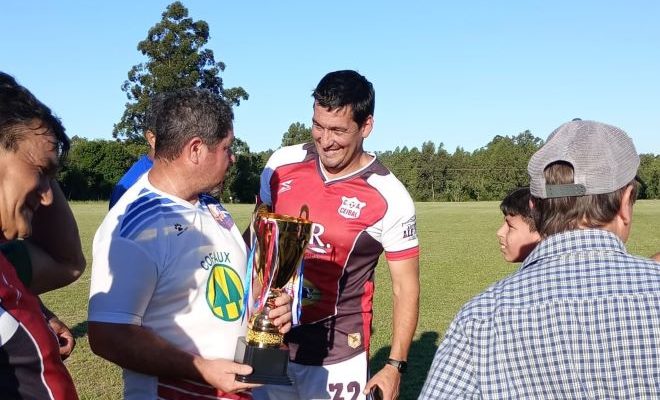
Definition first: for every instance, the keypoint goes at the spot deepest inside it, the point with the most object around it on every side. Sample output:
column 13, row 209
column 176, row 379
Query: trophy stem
column 261, row 330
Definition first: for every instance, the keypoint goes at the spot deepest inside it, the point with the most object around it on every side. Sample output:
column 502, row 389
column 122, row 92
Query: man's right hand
column 221, row 374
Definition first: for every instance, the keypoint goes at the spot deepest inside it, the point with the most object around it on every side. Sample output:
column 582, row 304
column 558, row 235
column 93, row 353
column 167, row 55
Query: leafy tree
column 242, row 181
column 93, row 167
column 431, row 170
column 649, row 171
column 297, row 133
column 176, row 58
column 458, row 176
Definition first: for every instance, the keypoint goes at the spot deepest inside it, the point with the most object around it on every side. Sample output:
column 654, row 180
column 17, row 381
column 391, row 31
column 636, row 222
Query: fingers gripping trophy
column 278, row 245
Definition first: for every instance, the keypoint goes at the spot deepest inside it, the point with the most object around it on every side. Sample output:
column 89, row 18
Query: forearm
column 405, row 312
column 48, row 274
column 405, row 306
column 139, row 349
column 55, row 233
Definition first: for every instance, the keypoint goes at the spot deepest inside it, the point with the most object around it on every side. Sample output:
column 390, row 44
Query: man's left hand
column 387, row 379
column 281, row 313
column 64, row 336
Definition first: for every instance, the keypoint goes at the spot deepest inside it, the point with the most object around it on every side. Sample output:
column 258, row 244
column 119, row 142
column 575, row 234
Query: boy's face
column 516, row 239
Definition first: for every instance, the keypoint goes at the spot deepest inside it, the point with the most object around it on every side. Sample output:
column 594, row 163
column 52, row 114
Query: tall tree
column 176, row 58
column 242, row 180
column 297, row 133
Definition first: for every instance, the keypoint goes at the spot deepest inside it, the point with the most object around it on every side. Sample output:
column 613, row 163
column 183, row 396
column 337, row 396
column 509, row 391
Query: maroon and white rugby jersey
column 30, row 363
column 355, row 218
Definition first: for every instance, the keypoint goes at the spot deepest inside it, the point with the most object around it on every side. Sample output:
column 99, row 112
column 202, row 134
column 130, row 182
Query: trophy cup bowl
column 280, row 244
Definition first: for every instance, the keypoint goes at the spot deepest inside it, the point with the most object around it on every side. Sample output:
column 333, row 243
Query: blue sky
column 456, row 73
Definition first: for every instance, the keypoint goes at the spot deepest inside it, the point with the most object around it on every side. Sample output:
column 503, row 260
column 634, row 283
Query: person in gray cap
column 581, row 318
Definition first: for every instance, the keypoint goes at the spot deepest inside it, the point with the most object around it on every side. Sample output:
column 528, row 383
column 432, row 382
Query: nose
column 501, row 231
column 326, row 137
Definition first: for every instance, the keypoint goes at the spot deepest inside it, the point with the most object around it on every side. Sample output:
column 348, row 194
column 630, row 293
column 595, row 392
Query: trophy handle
column 304, row 209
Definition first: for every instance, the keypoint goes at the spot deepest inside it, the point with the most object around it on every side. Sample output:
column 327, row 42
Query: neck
column 359, row 162
column 167, row 177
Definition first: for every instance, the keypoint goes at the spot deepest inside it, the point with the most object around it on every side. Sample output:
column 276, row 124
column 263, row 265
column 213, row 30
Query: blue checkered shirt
column 579, row 320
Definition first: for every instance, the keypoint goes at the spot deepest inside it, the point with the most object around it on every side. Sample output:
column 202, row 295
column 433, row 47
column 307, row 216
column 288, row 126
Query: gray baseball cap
column 603, row 157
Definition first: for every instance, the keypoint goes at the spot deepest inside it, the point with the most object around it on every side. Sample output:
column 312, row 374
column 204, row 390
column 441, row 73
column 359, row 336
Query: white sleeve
column 283, row 156
column 398, row 228
column 123, row 281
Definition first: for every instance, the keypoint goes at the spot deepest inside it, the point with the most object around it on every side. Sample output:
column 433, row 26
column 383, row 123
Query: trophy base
column 269, row 365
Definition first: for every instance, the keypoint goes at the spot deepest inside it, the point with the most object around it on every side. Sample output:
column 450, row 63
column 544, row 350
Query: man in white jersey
column 359, row 209
column 166, row 296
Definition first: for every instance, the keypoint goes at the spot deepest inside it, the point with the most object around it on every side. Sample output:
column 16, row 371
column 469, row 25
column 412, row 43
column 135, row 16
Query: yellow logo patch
column 224, row 293
column 354, row 340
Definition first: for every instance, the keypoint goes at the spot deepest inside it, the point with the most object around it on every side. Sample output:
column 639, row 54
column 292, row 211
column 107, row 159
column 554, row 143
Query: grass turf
column 459, row 258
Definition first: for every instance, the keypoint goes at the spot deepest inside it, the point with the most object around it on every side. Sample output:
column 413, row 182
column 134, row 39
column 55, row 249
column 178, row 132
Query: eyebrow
column 332, row 128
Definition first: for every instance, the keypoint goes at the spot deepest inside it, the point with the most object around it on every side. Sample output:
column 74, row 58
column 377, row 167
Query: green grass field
column 459, row 258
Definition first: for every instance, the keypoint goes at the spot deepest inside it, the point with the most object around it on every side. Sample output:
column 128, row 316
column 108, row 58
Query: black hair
column 517, row 203
column 347, row 88
column 19, row 107
column 187, row 113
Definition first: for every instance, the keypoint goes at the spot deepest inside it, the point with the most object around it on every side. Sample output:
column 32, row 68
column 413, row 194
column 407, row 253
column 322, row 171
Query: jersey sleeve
column 399, row 225
column 123, row 281
column 283, row 156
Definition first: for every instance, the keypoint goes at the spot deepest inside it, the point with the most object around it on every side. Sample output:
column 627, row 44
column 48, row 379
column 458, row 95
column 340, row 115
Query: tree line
column 430, row 173
column 176, row 57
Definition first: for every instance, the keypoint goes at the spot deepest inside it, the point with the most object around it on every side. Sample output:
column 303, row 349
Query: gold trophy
column 278, row 247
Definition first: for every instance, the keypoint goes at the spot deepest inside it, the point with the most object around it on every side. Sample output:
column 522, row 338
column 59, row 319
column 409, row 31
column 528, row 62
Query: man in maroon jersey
column 33, row 208
column 359, row 209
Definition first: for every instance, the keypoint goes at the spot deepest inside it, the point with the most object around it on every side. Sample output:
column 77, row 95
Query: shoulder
column 482, row 308
column 290, row 155
column 149, row 209
column 479, row 308
column 383, row 180
column 137, row 210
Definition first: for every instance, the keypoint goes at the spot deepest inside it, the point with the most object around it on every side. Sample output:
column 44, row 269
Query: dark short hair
column 188, row 113
column 347, row 88
column 19, row 107
column 155, row 105
column 516, row 203
column 561, row 214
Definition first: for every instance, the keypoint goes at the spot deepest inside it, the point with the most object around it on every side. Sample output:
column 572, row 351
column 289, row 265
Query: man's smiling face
column 25, row 176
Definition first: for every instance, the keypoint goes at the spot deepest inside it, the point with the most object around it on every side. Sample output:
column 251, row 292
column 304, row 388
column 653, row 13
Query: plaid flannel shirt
column 579, row 320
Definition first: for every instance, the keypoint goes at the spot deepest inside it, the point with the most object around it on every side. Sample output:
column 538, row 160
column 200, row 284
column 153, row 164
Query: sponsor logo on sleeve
column 410, row 228
column 350, row 207
column 285, row 186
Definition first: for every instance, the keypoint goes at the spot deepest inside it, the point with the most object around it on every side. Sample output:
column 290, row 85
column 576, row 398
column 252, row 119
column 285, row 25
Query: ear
column 151, row 138
column 194, row 150
column 625, row 211
column 367, row 127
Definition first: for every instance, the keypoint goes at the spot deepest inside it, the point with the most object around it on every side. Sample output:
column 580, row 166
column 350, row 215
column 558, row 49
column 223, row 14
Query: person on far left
column 40, row 248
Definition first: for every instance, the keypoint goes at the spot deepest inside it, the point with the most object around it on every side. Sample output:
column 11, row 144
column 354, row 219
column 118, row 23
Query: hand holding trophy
column 279, row 242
